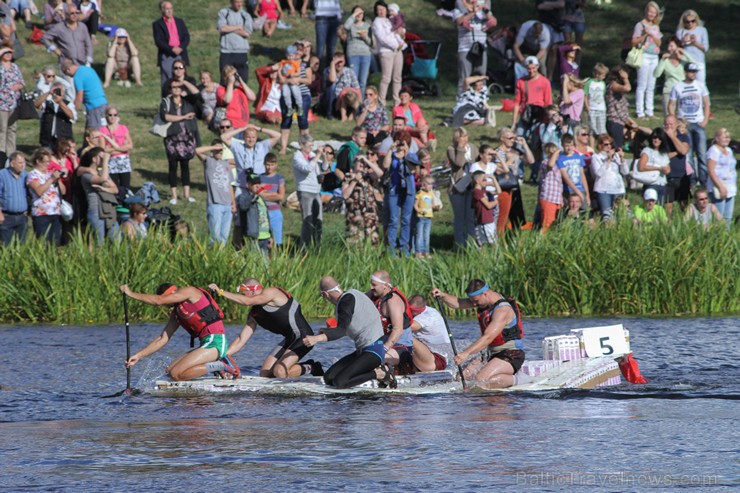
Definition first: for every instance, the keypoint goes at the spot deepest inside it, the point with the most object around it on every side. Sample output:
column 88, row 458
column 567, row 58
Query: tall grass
column 623, row 270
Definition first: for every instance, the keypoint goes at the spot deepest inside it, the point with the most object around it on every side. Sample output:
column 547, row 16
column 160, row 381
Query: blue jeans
column 698, row 154
column 219, row 222
column 606, row 204
column 15, row 226
column 725, row 207
column 361, row 65
column 326, row 38
column 48, row 227
column 400, row 207
column 96, row 225
column 276, row 225
column 423, row 232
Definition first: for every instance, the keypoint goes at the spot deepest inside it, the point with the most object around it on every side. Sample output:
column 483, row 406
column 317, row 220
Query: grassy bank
column 575, row 271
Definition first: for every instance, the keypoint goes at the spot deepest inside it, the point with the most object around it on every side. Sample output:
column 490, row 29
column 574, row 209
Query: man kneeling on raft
column 277, row 311
column 358, row 319
column 198, row 313
column 501, row 334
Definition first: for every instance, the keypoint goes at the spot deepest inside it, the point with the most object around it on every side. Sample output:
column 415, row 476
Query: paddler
column 198, row 313
column 397, row 318
column 501, row 335
column 275, row 310
column 358, row 319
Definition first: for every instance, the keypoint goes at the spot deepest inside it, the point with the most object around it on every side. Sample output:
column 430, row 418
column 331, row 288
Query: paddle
column 128, row 390
column 452, row 339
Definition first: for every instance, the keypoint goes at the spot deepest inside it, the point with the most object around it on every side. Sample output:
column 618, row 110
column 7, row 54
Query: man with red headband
column 276, row 310
column 198, row 313
column 501, row 334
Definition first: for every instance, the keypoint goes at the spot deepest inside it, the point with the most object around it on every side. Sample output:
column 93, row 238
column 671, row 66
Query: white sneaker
column 191, row 199
column 173, row 201
column 126, row 83
column 119, row 83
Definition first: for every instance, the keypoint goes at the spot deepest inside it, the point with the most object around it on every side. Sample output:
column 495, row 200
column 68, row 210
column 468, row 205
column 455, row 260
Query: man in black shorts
column 277, row 311
column 678, row 186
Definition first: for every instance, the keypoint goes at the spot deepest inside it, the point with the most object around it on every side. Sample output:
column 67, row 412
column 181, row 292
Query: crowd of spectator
column 574, row 133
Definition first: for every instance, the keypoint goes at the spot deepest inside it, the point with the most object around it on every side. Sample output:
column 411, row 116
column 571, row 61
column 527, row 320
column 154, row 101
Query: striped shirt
column 13, row 191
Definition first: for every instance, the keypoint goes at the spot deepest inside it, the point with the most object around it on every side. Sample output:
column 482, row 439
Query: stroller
column 501, row 61
column 420, row 66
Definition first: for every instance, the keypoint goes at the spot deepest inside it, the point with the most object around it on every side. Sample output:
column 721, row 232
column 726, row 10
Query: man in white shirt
column 429, row 328
column 690, row 100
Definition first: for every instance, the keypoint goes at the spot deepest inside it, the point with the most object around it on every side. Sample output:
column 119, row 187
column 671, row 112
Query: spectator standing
column 473, row 22
column 486, row 211
column 617, row 106
column 572, row 168
column 48, row 77
column 389, row 50
column 362, row 196
column 608, row 166
column 348, row 150
column 574, row 20
column 89, row 92
column 535, row 91
column 234, row 26
column 249, row 155
column 647, row 35
column 69, row 40
column 117, row 142
column 533, row 39
column 14, row 200
column 678, row 181
column 100, row 218
column 722, row 168
column 171, row 36
column 671, row 65
column 550, row 195
column 424, row 207
column 373, row 117
column 11, row 85
column 595, row 101
column 328, row 18
column 220, row 204
column 695, row 40
column 399, row 195
column 208, row 88
column 460, row 155
column 690, row 101
column 46, row 190
column 359, row 44
column 306, row 171
column 274, row 193
column 123, row 57
column 182, row 138
column 235, row 95
column 654, row 157
column 303, row 80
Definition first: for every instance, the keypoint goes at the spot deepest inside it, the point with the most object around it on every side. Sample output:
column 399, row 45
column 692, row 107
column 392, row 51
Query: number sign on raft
column 605, row 341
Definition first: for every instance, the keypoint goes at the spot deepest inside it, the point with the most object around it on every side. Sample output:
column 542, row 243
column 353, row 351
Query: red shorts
column 440, row 362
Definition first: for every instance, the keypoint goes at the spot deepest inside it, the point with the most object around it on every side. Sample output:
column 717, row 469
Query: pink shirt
column 575, row 108
column 119, row 136
column 172, row 30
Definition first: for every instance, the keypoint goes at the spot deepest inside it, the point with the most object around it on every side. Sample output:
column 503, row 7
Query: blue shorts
column 375, row 348
column 574, row 27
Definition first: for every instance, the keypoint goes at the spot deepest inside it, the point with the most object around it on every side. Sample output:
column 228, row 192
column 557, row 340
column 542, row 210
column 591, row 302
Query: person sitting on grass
column 195, row 310
column 650, row 212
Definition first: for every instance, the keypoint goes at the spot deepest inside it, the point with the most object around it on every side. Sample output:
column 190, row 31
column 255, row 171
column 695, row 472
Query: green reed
column 622, row 270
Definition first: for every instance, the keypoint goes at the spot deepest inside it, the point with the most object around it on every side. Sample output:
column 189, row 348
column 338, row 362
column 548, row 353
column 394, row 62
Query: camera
column 57, row 92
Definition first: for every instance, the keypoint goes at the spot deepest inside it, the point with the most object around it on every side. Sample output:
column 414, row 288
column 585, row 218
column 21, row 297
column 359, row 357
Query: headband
column 377, row 279
column 416, row 310
column 479, row 291
column 250, row 287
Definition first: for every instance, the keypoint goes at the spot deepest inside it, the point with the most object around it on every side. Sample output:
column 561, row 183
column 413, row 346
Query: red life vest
column 202, row 318
column 408, row 316
column 511, row 333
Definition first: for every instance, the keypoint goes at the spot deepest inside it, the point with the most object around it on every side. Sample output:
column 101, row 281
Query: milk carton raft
column 584, row 358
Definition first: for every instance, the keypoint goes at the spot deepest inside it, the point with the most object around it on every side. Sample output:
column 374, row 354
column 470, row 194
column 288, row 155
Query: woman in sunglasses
column 116, row 140
column 695, row 39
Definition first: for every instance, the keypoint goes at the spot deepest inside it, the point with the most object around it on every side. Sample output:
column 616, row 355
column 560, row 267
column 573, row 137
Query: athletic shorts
column 440, row 362
column 377, row 348
column 216, row 341
column 678, row 189
column 295, row 345
column 515, row 357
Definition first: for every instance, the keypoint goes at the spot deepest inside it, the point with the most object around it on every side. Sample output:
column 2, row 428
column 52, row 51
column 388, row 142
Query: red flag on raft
column 630, row 369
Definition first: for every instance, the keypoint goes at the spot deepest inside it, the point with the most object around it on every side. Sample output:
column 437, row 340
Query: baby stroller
column 420, row 66
column 501, row 61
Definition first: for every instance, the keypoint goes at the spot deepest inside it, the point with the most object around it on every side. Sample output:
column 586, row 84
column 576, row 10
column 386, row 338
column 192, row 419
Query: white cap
column 650, row 194
column 394, row 8
column 531, row 60
column 121, row 33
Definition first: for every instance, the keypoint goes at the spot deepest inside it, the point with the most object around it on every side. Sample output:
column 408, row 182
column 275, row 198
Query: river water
column 60, row 433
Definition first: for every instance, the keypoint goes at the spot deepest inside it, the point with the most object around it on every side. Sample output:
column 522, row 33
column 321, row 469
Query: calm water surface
column 59, row 433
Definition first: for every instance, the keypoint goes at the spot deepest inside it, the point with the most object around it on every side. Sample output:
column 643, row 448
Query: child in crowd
column 595, row 101
column 486, row 211
column 568, row 55
column 573, row 98
column 398, row 23
column 253, row 214
column 291, row 67
column 273, row 184
column 221, row 204
column 571, row 166
column 424, row 207
column 551, row 186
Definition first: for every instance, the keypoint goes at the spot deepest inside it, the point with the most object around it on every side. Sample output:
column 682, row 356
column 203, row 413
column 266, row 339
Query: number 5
column 610, row 349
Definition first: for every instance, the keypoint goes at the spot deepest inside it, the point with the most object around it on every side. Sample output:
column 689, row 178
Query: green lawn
column 606, row 26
